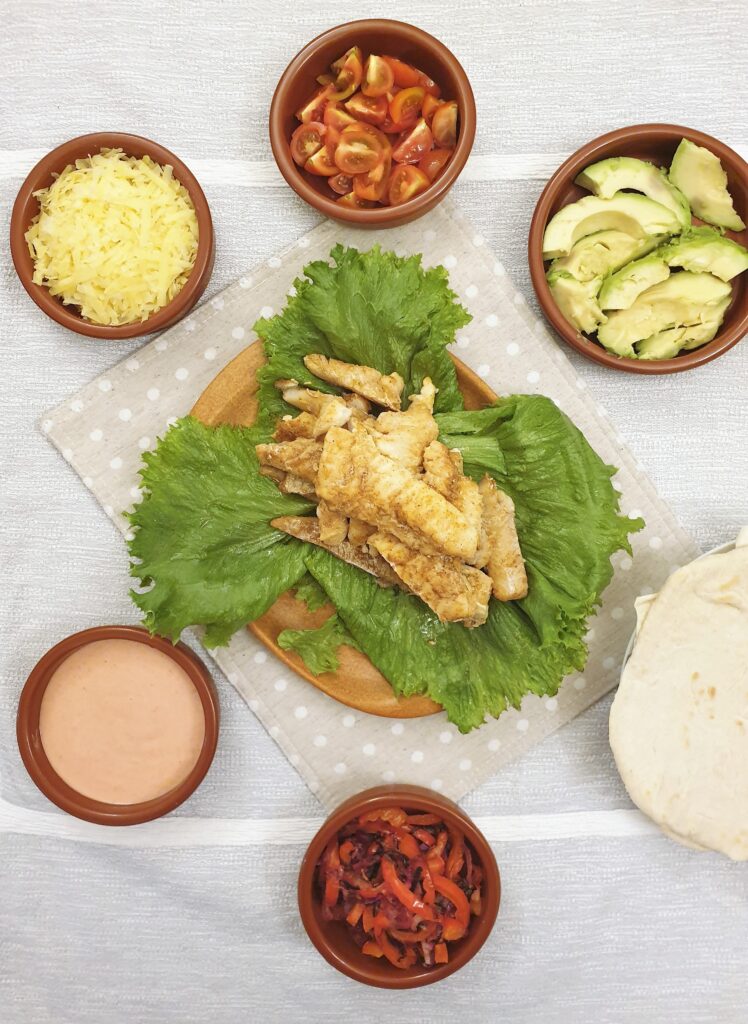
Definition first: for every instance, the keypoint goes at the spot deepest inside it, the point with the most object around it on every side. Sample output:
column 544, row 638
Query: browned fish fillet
column 272, row 474
column 307, row 528
column 383, row 389
column 359, row 532
column 334, row 413
column 292, row 484
column 357, row 480
column 291, row 427
column 505, row 564
column 443, row 472
column 403, row 436
column 454, row 591
column 300, row 457
column 333, row 527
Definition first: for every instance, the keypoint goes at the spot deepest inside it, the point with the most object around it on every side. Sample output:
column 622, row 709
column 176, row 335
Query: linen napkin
column 103, row 430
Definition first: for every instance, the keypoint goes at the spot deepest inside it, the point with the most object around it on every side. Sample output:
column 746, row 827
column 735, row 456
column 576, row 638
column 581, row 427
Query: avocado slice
column 704, row 249
column 607, row 177
column 622, row 289
column 700, row 176
column 667, row 344
column 635, row 215
column 685, row 299
column 577, row 300
column 603, row 252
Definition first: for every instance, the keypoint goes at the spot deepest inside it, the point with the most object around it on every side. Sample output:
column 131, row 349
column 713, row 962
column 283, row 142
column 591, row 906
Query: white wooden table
column 602, row 919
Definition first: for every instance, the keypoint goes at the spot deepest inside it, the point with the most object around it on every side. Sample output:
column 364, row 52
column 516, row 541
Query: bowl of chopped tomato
column 398, row 889
column 372, row 122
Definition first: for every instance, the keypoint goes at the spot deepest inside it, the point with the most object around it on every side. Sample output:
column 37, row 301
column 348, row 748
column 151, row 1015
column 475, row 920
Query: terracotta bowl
column 26, row 208
column 332, row 938
column 656, row 143
column 375, row 35
column 55, row 788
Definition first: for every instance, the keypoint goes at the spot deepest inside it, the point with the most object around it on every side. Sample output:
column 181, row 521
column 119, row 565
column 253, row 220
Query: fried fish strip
column 359, row 532
column 357, row 480
column 333, row 527
column 443, row 472
column 505, row 565
column 300, row 457
column 383, row 389
column 291, row 427
column 307, row 528
column 404, row 436
column 454, row 591
column 292, row 484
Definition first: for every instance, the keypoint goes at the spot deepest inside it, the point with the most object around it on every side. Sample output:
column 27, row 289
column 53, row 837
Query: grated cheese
column 116, row 236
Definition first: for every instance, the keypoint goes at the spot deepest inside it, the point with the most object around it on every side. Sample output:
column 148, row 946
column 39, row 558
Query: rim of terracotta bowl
column 56, row 789
column 737, row 171
column 331, row 938
column 26, row 207
column 303, row 64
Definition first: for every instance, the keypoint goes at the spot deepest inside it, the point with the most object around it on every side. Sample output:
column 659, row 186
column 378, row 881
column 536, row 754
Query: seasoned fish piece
column 505, row 565
column 357, row 480
column 359, row 531
column 291, row 427
column 332, row 526
column 360, row 407
column 364, row 380
column 404, row 436
column 302, row 398
column 300, row 457
column 443, row 472
column 334, row 413
column 292, row 484
column 454, row 591
column 307, row 528
column 273, row 474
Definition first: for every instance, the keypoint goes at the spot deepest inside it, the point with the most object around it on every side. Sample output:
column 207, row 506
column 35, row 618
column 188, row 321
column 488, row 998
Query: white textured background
column 194, row 919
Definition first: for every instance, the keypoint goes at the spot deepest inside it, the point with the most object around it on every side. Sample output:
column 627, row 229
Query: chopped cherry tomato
column 404, row 74
column 434, row 162
column 372, row 187
column 360, row 149
column 406, row 105
column 349, row 74
column 336, row 116
column 391, row 128
column 406, row 182
column 444, row 125
column 341, row 183
column 326, row 78
column 314, row 107
column 429, row 85
column 367, row 108
column 413, row 144
column 307, row 140
column 378, row 77
column 322, row 162
column 352, row 200
column 430, row 104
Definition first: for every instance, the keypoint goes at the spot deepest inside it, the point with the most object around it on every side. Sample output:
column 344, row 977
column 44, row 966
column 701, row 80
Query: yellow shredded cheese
column 115, row 236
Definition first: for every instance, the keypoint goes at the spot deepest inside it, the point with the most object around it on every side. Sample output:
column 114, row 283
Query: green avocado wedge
column 607, row 177
column 602, row 253
column 698, row 173
column 635, row 215
column 577, row 300
column 622, row 289
column 704, row 249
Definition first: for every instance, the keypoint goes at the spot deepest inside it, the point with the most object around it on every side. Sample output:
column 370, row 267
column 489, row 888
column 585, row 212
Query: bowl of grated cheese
column 111, row 236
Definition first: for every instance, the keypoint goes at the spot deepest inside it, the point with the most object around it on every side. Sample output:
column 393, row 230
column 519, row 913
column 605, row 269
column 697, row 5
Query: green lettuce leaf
column 310, row 593
column 318, row 647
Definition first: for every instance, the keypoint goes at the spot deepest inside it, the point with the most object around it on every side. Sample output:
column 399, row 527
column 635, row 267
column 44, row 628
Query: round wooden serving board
column 231, row 397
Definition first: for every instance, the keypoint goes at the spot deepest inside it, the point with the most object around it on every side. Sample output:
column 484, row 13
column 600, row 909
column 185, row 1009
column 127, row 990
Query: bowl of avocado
column 638, row 249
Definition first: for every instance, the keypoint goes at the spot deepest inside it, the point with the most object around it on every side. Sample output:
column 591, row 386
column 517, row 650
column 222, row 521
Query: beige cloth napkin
column 103, row 430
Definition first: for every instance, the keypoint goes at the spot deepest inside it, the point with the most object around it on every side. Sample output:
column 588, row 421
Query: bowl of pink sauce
column 116, row 726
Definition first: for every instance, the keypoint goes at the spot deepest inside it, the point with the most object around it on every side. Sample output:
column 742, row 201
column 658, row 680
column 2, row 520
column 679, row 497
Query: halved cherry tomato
column 350, row 71
column 378, row 76
column 322, row 162
column 412, row 145
column 372, row 187
column 336, row 116
column 360, row 149
column 406, row 182
column 326, row 78
column 404, row 74
column 390, row 127
column 372, row 109
column 444, row 125
column 429, row 85
column 406, row 105
column 341, row 183
column 352, row 200
column 433, row 163
column 314, row 107
column 307, row 140
column 430, row 105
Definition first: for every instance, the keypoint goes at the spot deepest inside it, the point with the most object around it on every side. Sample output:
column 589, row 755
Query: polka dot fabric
column 104, row 430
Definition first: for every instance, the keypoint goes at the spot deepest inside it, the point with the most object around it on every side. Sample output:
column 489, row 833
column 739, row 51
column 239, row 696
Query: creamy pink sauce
column 121, row 722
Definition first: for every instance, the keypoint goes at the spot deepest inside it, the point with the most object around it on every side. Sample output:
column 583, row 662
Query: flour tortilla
column 679, row 722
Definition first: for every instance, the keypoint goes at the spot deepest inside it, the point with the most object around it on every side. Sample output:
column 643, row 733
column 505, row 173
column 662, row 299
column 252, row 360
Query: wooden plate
column 231, row 398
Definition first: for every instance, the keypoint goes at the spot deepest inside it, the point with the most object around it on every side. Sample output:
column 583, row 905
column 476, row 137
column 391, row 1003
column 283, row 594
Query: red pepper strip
column 390, row 951
column 441, row 843
column 476, row 903
column 332, row 882
column 423, row 836
column 441, row 953
column 402, row 893
column 456, row 855
column 354, row 914
column 454, row 927
column 424, row 819
column 429, row 893
column 372, row 949
column 395, row 815
column 367, row 920
column 346, row 851
column 407, row 844
column 422, row 934
column 435, row 863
